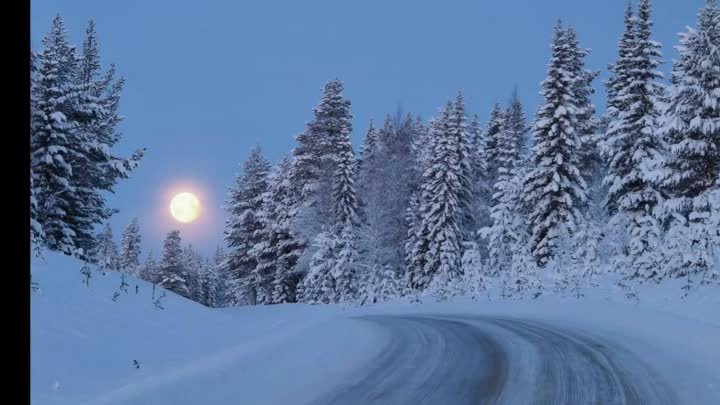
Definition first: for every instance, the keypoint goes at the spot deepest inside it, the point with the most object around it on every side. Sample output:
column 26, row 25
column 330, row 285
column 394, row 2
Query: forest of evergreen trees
column 441, row 207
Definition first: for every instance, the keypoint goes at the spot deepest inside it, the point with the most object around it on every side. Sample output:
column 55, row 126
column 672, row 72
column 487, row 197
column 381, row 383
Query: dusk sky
column 208, row 80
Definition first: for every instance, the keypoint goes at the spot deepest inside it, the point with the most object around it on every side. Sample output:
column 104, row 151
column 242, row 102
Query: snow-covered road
column 433, row 359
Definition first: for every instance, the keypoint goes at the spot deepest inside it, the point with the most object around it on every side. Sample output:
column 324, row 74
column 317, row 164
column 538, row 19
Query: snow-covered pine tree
column 211, row 280
column 587, row 237
column 54, row 140
column 477, row 144
column 435, row 258
column 368, row 291
column 414, row 259
column 621, row 69
column 345, row 269
column 318, row 285
column 96, row 106
column 467, row 223
column 372, row 232
column 401, row 182
column 244, row 203
column 420, row 148
column 221, row 276
column 279, row 249
column 130, row 248
column 173, row 272
column 192, row 262
column 315, row 164
column 633, row 148
column 263, row 252
column 37, row 235
column 105, row 254
column 563, row 267
column 588, row 123
column 345, row 216
column 150, row 271
column 473, row 272
column 690, row 127
column 72, row 162
column 490, row 144
column 507, row 237
column 554, row 189
column 481, row 190
column 206, row 283
column 389, row 285
column 386, row 180
column 367, row 161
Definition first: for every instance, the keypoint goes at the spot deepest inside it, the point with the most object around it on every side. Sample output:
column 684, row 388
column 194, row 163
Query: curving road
column 458, row 360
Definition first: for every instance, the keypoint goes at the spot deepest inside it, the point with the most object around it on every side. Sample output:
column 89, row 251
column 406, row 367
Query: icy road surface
column 484, row 360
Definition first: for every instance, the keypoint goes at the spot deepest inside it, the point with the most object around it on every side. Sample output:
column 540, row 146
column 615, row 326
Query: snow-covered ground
column 83, row 343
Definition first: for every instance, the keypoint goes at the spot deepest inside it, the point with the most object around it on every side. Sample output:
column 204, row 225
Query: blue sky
column 206, row 80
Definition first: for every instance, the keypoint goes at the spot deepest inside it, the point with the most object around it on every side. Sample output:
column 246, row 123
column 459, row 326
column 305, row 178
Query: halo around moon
column 185, row 207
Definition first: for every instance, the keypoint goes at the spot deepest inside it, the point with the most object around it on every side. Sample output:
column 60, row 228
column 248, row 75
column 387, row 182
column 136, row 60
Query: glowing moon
column 185, row 207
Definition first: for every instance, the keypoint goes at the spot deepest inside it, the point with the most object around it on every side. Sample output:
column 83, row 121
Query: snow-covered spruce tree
column 436, row 255
column 192, row 262
column 173, row 273
column 212, row 288
column 633, row 148
column 315, row 164
column 346, row 217
column 279, row 248
column 105, row 254
column 219, row 268
column 367, row 160
column 616, row 240
column 474, row 275
column 414, row 260
column 74, row 114
column 318, row 286
column 587, row 237
column 588, row 123
column 481, row 190
column 468, row 224
column 690, row 127
column 245, row 200
column 386, row 180
column 207, row 282
column 420, row 148
column 490, row 144
column 263, row 253
column 150, row 271
column 289, row 245
column 130, row 248
column 324, row 173
column 389, row 284
column 562, row 268
column 416, row 242
column 372, row 232
column 477, row 143
column 97, row 114
column 621, row 69
column 398, row 183
column 37, row 235
column 54, row 140
column 507, row 237
column 554, row 188
column 369, row 285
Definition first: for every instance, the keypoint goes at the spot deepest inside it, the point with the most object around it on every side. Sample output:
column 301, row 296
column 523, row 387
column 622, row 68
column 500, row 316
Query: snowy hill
column 83, row 343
